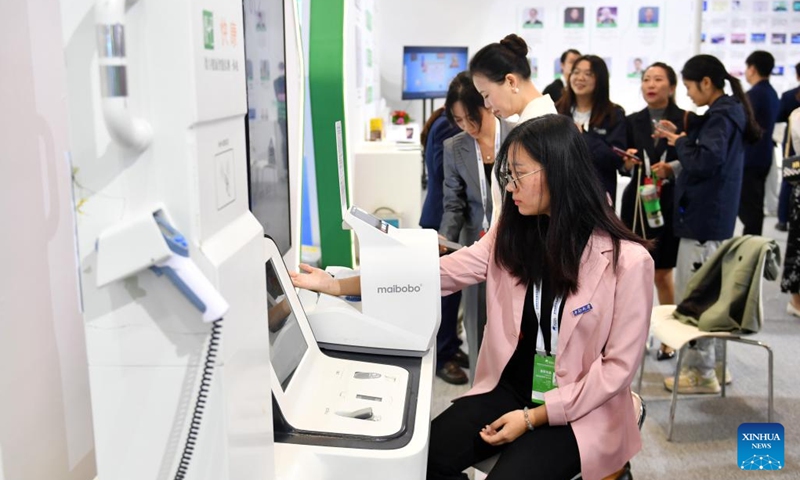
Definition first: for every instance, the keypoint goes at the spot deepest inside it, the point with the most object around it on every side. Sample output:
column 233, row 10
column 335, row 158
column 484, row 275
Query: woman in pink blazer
column 557, row 239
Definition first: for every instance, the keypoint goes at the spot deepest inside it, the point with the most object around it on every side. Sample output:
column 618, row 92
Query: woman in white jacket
column 502, row 75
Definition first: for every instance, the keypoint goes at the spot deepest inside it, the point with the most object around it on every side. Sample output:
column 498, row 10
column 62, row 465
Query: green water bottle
column 652, row 204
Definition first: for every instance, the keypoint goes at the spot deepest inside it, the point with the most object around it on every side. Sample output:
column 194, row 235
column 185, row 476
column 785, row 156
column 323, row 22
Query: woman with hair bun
column 501, row 73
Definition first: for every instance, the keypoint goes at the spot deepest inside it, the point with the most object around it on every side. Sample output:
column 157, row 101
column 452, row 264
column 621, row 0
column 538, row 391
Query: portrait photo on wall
column 636, row 66
column 779, row 6
column 648, row 17
column 573, row 17
column 738, row 38
column 760, row 6
column 532, row 17
column 758, row 38
column 264, row 70
column 778, row 38
column 607, row 17
column 534, row 63
column 796, row 38
column 557, row 73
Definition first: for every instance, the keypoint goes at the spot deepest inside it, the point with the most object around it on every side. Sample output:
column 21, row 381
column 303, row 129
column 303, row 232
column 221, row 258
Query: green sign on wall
column 208, row 30
column 326, row 86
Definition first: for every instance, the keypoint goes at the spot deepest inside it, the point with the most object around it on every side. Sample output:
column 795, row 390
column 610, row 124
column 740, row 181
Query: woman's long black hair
column 701, row 66
column 527, row 245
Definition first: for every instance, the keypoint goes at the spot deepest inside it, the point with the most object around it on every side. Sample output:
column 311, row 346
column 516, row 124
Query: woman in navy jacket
column 711, row 156
column 602, row 122
column 658, row 89
column 437, row 130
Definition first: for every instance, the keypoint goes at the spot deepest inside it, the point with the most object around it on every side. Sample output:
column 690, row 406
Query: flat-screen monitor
column 427, row 71
column 287, row 345
column 266, row 121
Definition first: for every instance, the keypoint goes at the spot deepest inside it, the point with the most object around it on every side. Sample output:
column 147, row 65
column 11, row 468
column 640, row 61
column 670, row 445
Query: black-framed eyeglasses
column 513, row 181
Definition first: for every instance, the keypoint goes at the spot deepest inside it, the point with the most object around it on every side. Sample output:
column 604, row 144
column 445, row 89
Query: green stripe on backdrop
column 326, row 85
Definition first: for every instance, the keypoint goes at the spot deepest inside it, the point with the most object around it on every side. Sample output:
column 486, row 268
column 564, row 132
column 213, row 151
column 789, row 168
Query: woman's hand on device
column 314, row 279
column 505, row 429
column 442, row 248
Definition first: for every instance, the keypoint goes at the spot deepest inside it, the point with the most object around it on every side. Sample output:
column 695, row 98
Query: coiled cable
column 200, row 403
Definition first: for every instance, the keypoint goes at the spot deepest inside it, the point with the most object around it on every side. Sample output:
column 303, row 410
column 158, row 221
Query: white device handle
column 130, row 132
column 186, row 275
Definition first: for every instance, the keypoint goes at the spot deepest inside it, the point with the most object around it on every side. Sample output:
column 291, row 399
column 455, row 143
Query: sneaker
column 690, row 381
column 728, row 375
column 781, row 227
column 792, row 310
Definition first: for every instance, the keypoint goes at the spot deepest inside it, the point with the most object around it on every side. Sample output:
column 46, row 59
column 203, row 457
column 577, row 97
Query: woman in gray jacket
column 468, row 161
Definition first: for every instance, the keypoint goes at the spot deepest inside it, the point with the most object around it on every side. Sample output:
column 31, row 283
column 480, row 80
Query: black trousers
column 751, row 204
column 447, row 341
column 545, row 453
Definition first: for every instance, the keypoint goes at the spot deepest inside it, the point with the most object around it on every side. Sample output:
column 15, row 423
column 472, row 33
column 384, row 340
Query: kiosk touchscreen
column 318, row 393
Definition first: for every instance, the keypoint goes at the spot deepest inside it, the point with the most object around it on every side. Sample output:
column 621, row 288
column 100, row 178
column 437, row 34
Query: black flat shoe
column 626, row 474
column 662, row 355
column 461, row 359
column 452, row 374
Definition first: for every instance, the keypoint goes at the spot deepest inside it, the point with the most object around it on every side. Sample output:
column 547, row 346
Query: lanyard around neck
column 537, row 306
column 482, row 172
column 647, row 164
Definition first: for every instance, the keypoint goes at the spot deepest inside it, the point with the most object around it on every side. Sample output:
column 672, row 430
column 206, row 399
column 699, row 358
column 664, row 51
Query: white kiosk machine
column 341, row 414
column 400, row 307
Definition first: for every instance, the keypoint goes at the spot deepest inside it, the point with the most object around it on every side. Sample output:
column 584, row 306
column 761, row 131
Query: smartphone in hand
column 623, row 153
column 657, row 125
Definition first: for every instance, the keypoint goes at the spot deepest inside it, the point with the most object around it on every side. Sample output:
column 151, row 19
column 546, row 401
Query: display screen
column 287, row 346
column 266, row 119
column 428, row 71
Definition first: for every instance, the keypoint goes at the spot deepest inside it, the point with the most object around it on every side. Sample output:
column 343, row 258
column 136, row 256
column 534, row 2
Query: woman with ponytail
column 502, row 75
column 707, row 190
